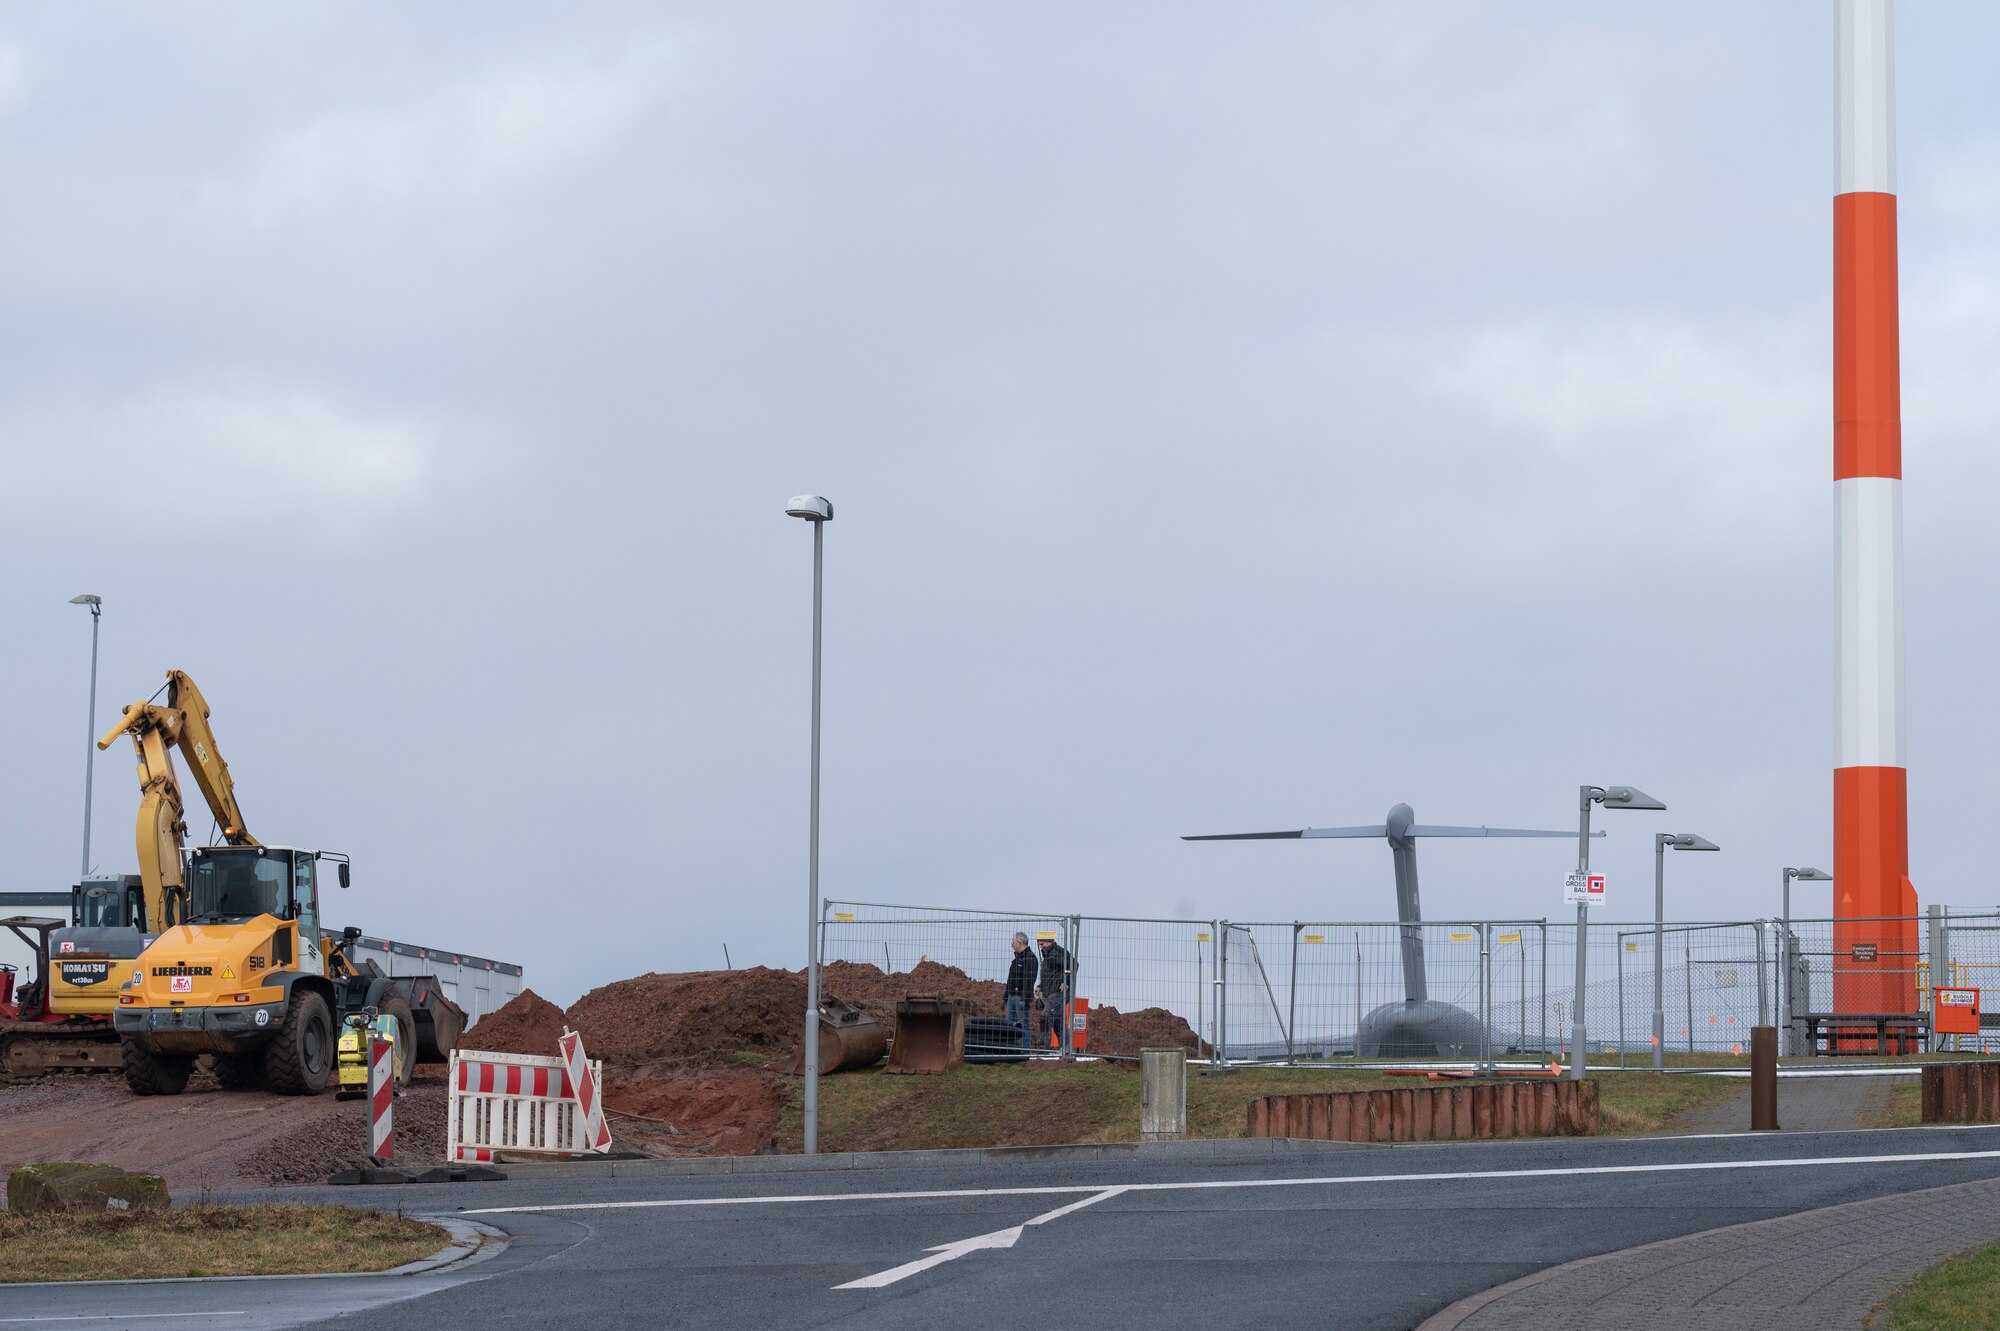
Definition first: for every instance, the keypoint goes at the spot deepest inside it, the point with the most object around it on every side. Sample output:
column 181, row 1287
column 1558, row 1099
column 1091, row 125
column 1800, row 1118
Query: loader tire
column 238, row 1072
column 151, row 1072
column 301, row 1054
column 394, row 1005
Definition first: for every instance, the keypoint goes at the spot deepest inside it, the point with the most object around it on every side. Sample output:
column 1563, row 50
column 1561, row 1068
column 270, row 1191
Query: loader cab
column 231, row 884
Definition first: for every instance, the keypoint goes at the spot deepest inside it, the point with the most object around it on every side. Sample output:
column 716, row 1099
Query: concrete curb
column 469, row 1239
column 1230, row 1148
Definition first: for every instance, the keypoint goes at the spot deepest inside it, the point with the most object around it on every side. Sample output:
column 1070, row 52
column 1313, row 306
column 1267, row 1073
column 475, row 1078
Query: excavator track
column 30, row 1048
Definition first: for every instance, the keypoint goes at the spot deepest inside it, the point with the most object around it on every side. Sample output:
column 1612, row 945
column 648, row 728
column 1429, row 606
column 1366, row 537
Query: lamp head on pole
column 96, row 603
column 1626, row 797
column 1684, row 841
column 813, row 508
column 1809, row 875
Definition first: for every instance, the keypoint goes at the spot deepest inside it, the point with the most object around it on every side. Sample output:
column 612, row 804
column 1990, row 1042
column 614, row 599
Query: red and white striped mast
column 1871, row 853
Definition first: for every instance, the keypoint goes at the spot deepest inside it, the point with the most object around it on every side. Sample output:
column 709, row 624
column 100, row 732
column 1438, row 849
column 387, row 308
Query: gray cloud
column 1235, row 420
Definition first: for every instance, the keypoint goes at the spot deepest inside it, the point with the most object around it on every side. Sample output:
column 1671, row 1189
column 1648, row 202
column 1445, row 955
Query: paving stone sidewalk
column 1813, row 1271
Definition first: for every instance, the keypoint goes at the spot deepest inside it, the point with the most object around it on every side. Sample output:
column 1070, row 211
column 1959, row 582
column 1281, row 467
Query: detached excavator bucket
column 930, row 1035
column 848, row 1038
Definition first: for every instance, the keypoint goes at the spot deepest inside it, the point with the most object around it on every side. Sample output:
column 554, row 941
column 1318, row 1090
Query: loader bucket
column 848, row 1038
column 930, row 1035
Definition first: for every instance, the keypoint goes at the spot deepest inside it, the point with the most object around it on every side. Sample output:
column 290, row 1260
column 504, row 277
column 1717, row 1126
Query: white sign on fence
column 1583, row 889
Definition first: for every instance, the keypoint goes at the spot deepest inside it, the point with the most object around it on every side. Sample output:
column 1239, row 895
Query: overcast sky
column 1238, row 417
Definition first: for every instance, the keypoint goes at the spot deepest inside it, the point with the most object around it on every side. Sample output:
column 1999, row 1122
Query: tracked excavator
column 240, row 969
column 81, row 963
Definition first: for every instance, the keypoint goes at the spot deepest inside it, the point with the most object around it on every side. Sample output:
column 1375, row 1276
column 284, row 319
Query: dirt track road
column 207, row 1137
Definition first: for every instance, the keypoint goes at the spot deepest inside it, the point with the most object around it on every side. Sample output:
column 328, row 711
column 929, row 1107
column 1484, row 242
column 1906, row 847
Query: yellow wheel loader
column 249, row 979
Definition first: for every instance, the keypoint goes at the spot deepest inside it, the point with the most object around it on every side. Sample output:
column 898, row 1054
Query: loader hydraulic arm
column 162, row 827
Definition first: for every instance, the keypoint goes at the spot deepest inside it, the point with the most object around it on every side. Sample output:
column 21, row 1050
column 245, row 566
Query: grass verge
column 1047, row 1104
column 1904, row 1110
column 1962, row 1294
column 209, row 1241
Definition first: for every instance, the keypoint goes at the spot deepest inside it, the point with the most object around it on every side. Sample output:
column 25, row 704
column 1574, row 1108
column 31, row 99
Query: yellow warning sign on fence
column 1507, row 938
column 1461, row 935
column 844, row 916
column 1201, row 937
column 1631, row 947
column 1312, row 938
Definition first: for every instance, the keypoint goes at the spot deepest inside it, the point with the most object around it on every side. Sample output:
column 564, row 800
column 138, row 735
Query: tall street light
column 1611, row 797
column 1679, row 841
column 818, row 512
column 1785, row 949
column 96, row 604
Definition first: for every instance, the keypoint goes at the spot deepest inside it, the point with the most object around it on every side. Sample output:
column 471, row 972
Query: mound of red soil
column 526, row 1024
column 700, row 1014
column 650, row 1018
column 1124, row 1034
column 729, row 1111
column 877, row 994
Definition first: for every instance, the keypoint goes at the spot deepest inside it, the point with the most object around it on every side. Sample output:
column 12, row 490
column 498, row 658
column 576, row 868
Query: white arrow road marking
column 951, row 1252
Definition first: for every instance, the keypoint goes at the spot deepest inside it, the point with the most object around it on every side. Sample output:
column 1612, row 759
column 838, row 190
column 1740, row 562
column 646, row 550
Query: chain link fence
column 1477, row 990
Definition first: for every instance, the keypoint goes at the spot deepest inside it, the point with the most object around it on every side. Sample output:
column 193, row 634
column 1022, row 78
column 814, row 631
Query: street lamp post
column 1785, row 949
column 1611, row 797
column 96, row 604
column 818, row 512
column 1679, row 841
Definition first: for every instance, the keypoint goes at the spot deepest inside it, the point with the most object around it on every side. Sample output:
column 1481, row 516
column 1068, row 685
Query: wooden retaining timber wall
column 1962, row 1093
column 1432, row 1113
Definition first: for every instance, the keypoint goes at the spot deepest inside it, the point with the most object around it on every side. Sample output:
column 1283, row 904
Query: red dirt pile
column 1124, row 1034
column 526, row 1024
column 654, row 1018
column 730, row 1111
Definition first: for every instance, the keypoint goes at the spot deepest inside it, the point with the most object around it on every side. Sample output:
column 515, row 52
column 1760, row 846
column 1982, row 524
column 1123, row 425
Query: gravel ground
column 207, row 1137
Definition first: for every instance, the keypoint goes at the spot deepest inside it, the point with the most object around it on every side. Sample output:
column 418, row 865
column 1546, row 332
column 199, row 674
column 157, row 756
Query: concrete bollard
column 1162, row 1094
column 1763, row 1079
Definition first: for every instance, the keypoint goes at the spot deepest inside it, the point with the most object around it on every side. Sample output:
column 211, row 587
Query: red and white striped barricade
column 588, row 1079
column 522, row 1105
column 381, row 1101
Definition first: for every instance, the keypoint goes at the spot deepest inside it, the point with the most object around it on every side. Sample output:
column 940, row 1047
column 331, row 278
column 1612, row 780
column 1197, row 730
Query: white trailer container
column 477, row 984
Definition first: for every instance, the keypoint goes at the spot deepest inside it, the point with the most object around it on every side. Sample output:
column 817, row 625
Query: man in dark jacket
column 1021, row 987
column 1056, row 979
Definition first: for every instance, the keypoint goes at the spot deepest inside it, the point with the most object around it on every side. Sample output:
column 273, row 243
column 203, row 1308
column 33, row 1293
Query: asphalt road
column 1365, row 1238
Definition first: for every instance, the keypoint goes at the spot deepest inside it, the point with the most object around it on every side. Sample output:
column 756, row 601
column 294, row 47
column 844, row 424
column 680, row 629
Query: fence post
column 1201, row 1031
column 1620, row 958
column 1545, row 987
column 1358, row 1013
column 1763, row 1007
column 1687, row 974
column 1292, row 999
column 1940, row 972
column 1486, row 994
column 1073, row 926
column 1223, row 992
column 1521, row 1023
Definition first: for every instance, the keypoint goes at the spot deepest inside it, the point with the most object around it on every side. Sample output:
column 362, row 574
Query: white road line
column 114, row 1317
column 1571, row 1171
column 951, row 1252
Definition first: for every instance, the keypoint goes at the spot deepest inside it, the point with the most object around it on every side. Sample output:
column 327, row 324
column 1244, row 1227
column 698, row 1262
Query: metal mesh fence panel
column 1148, row 983
column 1971, row 946
column 1463, row 990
